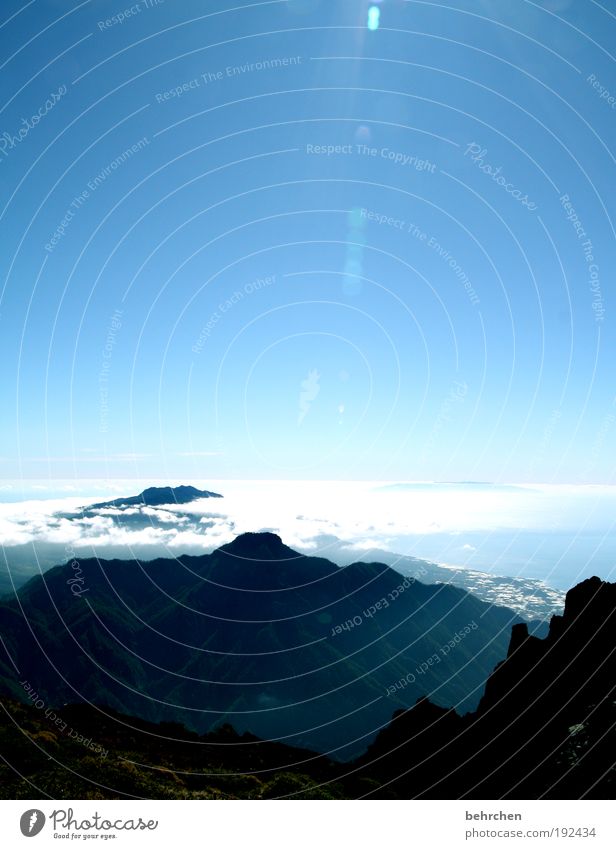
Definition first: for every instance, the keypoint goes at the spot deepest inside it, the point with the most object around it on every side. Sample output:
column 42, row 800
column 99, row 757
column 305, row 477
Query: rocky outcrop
column 545, row 725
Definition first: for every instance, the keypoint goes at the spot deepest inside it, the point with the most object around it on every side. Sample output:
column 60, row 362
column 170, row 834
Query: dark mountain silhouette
column 531, row 599
column 80, row 752
column 545, row 727
column 276, row 643
column 154, row 496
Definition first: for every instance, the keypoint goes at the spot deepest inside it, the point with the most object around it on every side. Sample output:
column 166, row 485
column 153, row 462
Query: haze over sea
column 556, row 533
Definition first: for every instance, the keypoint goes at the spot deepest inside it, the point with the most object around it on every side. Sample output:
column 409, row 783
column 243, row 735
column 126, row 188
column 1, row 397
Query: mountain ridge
column 545, row 726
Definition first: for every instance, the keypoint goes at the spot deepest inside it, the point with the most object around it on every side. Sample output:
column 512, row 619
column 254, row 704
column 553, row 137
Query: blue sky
column 262, row 241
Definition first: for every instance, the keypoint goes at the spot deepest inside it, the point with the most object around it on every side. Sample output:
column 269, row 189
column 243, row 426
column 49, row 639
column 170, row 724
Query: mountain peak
column 260, row 546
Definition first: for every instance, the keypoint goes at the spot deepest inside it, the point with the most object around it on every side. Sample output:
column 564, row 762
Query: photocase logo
column 32, row 822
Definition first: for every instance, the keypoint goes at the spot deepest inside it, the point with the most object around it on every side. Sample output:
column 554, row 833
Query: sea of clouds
column 556, row 533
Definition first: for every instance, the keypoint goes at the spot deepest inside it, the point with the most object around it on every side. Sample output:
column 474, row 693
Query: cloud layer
column 449, row 523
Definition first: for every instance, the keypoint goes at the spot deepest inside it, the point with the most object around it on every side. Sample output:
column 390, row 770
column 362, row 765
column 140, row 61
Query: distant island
column 154, row 496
